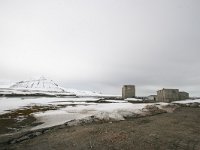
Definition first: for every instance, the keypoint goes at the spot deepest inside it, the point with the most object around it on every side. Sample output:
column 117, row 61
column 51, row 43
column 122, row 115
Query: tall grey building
column 128, row 91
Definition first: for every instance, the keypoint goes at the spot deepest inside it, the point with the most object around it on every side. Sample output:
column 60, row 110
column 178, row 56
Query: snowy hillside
column 84, row 93
column 41, row 84
column 39, row 87
column 44, row 87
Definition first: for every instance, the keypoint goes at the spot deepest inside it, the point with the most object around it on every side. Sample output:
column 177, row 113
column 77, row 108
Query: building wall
column 159, row 96
column 168, row 95
column 128, row 91
column 183, row 95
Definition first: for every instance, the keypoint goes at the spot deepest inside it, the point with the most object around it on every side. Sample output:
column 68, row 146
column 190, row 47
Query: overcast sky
column 102, row 44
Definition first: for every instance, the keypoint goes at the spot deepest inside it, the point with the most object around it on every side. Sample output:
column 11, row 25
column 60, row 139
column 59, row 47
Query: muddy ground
column 179, row 130
column 18, row 119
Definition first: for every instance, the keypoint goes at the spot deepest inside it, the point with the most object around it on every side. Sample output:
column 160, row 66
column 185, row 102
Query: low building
column 152, row 97
column 183, row 95
column 167, row 95
column 128, row 91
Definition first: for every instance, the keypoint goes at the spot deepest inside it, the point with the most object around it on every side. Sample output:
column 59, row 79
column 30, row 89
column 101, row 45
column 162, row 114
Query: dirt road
column 179, row 130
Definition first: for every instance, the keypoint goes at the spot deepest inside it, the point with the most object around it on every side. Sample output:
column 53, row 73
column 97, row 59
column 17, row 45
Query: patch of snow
column 15, row 92
column 57, row 117
column 83, row 99
column 162, row 103
column 84, row 93
column 133, row 99
column 187, row 101
column 115, row 101
column 106, row 111
column 13, row 103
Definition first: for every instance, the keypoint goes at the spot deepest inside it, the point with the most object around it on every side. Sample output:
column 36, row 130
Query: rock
column 23, row 138
column 13, row 142
column 152, row 109
column 62, row 126
column 37, row 133
column 153, row 135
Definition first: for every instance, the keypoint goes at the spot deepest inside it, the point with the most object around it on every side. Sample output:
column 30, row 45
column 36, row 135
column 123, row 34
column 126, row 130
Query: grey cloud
column 101, row 45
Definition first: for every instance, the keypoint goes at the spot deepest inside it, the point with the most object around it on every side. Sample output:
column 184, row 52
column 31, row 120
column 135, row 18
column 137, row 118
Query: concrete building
column 183, row 95
column 167, row 95
column 128, row 91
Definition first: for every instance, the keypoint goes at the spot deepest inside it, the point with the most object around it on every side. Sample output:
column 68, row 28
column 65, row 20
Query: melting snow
column 115, row 111
column 115, row 101
column 188, row 101
column 133, row 99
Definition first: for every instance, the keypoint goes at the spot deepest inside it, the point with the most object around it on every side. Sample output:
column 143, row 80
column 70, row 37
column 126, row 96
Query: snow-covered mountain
column 38, row 87
column 45, row 87
column 41, row 84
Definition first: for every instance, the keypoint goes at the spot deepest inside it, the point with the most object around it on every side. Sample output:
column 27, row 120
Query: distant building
column 183, row 95
column 128, row 91
column 152, row 97
column 169, row 95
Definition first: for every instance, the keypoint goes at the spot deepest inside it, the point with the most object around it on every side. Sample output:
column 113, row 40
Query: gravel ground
column 179, row 130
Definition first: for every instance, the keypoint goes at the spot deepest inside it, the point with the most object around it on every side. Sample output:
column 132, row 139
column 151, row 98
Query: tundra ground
column 179, row 130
